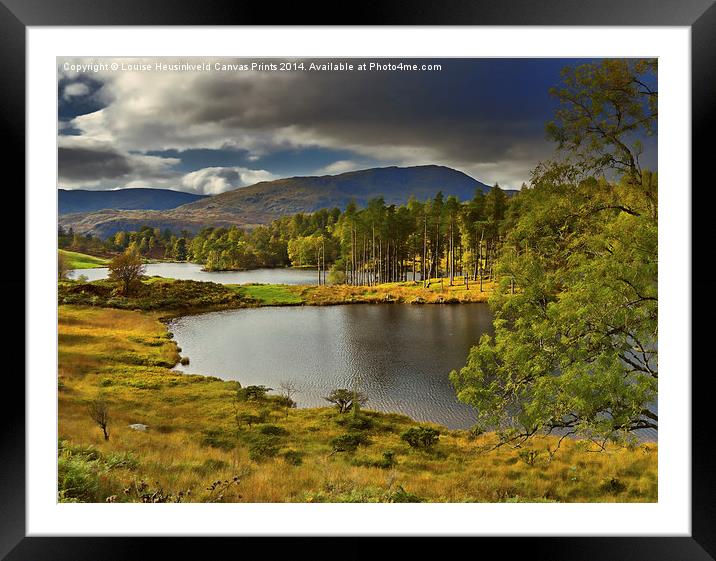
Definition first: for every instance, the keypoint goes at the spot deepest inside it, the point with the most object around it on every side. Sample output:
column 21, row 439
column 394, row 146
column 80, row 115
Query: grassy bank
column 77, row 260
column 203, row 433
column 176, row 297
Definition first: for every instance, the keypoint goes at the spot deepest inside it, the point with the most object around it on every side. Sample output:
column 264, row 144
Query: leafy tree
column 605, row 110
column 180, row 249
column 126, row 268
column 252, row 393
column 345, row 399
column 575, row 343
column 421, row 437
column 63, row 267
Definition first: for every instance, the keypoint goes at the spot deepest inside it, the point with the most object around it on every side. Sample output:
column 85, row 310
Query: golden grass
column 193, row 438
column 439, row 292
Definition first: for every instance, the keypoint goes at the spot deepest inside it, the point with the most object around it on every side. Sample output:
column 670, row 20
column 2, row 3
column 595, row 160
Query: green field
column 82, row 261
column 269, row 294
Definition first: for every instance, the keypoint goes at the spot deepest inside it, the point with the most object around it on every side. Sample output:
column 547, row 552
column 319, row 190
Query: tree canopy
column 575, row 343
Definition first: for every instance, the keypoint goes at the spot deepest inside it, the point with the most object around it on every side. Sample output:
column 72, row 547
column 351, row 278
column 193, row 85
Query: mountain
column 79, row 200
column 268, row 200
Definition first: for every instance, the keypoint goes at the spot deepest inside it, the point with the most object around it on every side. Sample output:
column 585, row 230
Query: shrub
column 357, row 423
column 262, row 450
column 612, row 486
column 184, row 360
column 529, row 456
column 421, row 437
column 124, row 460
column 386, row 462
column 293, row 457
column 400, row 495
column 273, row 430
column 248, row 419
column 218, row 439
column 349, row 442
column 77, row 479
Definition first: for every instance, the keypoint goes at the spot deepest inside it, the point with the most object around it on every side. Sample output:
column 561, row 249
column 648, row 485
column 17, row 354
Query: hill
column 268, row 200
column 80, row 200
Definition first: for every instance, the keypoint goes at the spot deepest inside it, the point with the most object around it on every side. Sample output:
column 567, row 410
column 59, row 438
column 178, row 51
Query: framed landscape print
column 362, row 281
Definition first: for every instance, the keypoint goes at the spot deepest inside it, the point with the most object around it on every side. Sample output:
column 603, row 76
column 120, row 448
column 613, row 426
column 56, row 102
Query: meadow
column 209, row 440
column 76, row 260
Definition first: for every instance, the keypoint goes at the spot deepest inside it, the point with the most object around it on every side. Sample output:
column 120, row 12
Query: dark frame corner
column 700, row 15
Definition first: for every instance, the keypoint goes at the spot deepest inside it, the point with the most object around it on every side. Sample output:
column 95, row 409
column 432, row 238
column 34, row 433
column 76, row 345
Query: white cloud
column 215, row 180
column 341, row 166
column 75, row 89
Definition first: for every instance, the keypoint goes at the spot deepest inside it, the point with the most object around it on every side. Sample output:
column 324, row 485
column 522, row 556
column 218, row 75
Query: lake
column 398, row 355
column 192, row 271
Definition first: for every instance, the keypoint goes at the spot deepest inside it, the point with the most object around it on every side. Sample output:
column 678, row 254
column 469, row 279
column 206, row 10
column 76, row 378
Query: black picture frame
column 699, row 15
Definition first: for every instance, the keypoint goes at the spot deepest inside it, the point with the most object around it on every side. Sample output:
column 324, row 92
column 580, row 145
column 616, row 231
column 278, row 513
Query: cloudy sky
column 213, row 129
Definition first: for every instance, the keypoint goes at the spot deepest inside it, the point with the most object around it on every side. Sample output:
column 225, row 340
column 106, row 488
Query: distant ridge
column 80, row 200
column 265, row 201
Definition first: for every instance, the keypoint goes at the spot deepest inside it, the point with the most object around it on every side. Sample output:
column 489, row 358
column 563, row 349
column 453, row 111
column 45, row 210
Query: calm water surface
column 192, row 271
column 398, row 355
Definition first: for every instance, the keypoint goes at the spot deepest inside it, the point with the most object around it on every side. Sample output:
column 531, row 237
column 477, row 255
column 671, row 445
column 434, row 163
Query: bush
column 77, row 479
column 529, row 457
column 247, row 419
column 349, row 442
column 124, row 460
column 218, row 439
column 386, row 462
column 293, row 457
column 184, row 360
column 357, row 423
column 421, row 437
column 612, row 486
column 262, row 450
column 400, row 495
column 273, row 430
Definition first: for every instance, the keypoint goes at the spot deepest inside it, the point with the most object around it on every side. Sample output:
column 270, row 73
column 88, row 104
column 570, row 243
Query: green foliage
column 252, row 393
column 126, row 269
column 345, row 399
column 153, row 294
column 355, row 423
column 262, row 449
column 400, row 495
column 273, row 430
column 82, row 472
column 218, row 438
column 349, row 442
column 575, row 343
column 387, row 461
column 421, row 437
column 529, row 457
column 293, row 457
column 603, row 109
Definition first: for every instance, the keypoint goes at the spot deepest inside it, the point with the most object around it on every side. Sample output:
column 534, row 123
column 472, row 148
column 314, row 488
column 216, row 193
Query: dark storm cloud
column 483, row 116
column 469, row 110
column 84, row 163
column 100, row 166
